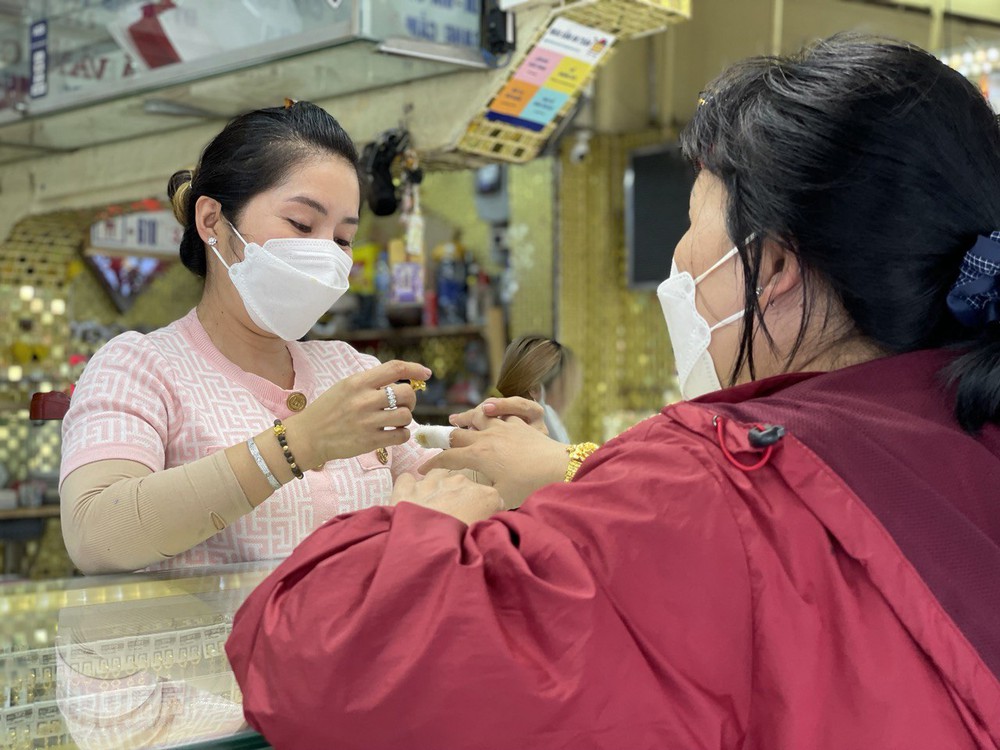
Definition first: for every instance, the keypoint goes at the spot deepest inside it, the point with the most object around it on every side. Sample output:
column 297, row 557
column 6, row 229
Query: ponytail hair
column 976, row 375
column 182, row 201
column 530, row 362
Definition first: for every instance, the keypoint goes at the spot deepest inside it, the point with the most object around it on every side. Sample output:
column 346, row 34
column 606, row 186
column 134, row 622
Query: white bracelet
column 262, row 465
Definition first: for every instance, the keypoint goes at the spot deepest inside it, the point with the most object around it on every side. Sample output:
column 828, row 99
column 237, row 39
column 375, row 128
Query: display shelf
column 440, row 411
column 85, row 662
column 42, row 511
column 409, row 332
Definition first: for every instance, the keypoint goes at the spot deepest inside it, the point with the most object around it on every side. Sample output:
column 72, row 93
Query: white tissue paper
column 434, row 436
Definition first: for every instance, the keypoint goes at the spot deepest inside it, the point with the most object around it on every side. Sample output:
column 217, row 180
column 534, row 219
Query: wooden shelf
column 413, row 332
column 492, row 331
column 42, row 511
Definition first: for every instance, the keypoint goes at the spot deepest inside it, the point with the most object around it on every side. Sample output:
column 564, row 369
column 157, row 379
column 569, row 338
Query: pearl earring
column 212, row 242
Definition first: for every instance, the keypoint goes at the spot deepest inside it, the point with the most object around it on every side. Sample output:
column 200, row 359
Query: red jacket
column 843, row 595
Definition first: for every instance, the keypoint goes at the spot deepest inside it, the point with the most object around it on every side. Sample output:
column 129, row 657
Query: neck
column 846, row 353
column 265, row 356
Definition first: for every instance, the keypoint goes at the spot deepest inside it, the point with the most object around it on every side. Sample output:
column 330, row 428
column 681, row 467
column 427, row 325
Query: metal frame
column 227, row 62
column 447, row 53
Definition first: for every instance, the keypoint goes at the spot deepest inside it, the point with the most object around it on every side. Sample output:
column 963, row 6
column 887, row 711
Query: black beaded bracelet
column 279, row 431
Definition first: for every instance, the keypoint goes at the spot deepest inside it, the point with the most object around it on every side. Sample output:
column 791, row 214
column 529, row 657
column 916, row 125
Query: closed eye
column 301, row 227
column 344, row 243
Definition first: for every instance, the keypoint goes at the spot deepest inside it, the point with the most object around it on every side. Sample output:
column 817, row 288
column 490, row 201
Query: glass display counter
column 115, row 662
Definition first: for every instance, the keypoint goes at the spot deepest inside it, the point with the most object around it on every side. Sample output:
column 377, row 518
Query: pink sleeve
column 120, row 409
column 409, row 456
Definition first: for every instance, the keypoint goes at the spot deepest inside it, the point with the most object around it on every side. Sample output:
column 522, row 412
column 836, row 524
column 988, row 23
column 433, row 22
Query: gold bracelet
column 577, row 455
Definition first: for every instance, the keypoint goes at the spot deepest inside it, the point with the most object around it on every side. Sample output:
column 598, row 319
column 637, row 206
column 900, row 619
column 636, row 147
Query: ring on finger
column 391, row 395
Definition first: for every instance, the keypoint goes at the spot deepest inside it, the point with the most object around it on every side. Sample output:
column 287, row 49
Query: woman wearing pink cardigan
column 221, row 438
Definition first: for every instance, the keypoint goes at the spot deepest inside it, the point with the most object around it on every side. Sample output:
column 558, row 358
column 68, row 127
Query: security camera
column 581, row 146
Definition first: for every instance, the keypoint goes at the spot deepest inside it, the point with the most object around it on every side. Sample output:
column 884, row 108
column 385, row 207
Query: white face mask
column 287, row 284
column 555, row 426
column 690, row 333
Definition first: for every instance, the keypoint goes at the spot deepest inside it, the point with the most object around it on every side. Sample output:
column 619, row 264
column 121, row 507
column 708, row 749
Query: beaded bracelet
column 279, row 432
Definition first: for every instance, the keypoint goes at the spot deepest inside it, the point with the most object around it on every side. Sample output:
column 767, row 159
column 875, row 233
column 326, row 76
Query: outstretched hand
column 514, row 457
column 524, row 409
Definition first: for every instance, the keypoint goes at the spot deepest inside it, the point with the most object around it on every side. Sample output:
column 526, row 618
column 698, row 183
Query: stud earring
column 212, row 242
column 760, row 290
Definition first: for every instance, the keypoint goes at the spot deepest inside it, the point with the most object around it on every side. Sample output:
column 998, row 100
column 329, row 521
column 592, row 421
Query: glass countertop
column 129, row 661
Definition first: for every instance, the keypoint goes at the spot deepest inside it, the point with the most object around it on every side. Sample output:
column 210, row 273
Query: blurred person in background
column 542, row 370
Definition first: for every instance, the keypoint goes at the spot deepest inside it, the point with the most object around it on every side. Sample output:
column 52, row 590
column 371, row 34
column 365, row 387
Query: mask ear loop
column 237, row 233
column 725, row 258
column 735, row 316
column 213, row 243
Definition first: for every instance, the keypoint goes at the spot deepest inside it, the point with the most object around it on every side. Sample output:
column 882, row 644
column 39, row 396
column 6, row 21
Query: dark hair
column 253, row 153
column 878, row 166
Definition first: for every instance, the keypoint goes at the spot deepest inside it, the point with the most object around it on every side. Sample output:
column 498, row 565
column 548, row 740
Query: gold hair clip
column 289, row 102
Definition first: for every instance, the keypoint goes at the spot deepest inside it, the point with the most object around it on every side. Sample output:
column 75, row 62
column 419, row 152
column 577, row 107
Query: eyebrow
column 320, row 208
column 305, row 201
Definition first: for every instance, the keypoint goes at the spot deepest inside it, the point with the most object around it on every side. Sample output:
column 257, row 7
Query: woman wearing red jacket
column 807, row 559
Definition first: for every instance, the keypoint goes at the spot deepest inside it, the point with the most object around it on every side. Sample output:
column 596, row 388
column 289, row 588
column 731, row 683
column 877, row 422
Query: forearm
column 119, row 516
column 252, row 480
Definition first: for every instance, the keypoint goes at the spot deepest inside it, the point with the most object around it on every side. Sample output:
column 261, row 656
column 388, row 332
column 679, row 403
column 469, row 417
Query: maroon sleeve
column 611, row 613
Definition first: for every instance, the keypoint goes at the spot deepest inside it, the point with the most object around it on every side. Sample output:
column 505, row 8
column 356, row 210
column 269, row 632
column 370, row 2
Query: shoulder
column 672, row 450
column 140, row 358
column 126, row 349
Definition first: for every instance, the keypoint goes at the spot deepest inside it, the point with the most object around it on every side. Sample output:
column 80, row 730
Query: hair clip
column 289, row 102
column 974, row 299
